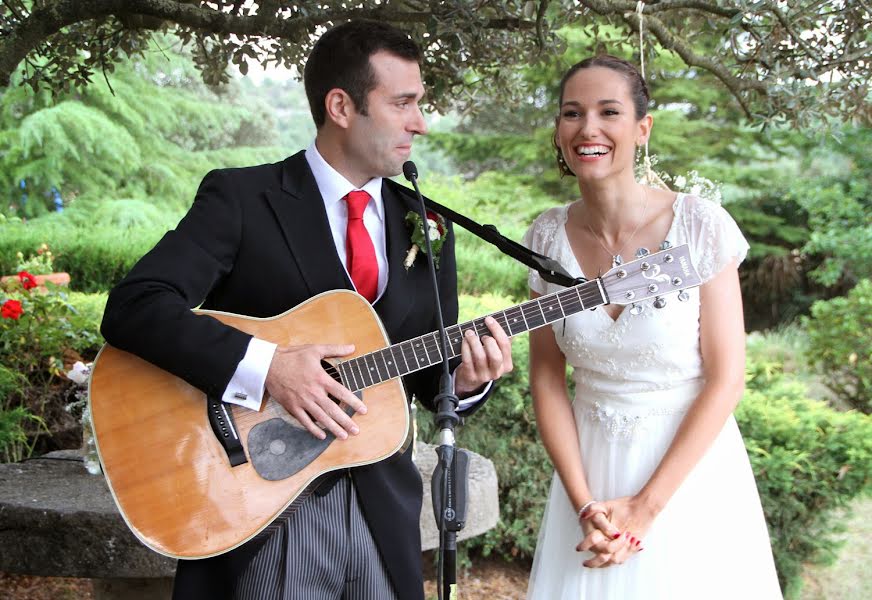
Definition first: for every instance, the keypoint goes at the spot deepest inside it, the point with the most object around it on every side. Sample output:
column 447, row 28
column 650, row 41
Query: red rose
column 28, row 281
column 431, row 216
column 11, row 309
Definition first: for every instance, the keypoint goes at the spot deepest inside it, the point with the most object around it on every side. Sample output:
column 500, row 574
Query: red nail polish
column 638, row 542
column 616, row 536
column 633, row 540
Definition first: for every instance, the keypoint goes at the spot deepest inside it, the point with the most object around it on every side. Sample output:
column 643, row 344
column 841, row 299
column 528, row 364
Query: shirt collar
column 334, row 187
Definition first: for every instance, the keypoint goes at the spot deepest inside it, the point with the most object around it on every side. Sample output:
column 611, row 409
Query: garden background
column 92, row 176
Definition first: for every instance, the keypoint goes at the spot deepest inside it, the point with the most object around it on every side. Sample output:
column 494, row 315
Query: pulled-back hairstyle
column 340, row 59
column 638, row 91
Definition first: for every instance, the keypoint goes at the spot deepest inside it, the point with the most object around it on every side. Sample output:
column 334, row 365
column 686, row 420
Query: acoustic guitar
column 194, row 477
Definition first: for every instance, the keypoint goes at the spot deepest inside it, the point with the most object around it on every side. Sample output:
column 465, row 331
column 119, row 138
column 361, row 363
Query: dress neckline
column 670, row 235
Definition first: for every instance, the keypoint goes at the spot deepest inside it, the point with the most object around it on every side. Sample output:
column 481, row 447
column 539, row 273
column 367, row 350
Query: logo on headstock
column 685, row 266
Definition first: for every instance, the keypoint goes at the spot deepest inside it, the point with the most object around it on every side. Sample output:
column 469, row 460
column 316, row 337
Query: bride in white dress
column 653, row 495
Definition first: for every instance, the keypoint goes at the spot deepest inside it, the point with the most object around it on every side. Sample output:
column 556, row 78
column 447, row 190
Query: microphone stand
column 449, row 498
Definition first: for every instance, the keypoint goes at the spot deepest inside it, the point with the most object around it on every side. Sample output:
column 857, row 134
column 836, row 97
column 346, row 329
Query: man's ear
column 339, row 107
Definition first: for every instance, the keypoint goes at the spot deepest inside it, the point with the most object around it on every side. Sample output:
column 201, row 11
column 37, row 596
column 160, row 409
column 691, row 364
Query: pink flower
column 28, row 281
column 11, row 309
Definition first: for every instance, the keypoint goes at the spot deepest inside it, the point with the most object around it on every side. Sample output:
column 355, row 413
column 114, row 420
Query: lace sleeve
column 715, row 238
column 540, row 238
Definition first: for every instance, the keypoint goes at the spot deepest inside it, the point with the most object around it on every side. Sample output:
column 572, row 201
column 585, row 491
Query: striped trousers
column 324, row 551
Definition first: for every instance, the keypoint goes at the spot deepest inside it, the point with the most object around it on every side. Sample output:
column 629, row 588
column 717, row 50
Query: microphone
column 410, row 171
column 449, row 484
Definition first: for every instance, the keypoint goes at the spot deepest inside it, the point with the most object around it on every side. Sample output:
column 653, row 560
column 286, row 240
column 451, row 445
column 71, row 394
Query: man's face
column 378, row 143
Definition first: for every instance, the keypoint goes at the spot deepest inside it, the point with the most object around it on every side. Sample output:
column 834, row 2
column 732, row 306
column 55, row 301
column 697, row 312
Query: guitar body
column 167, row 471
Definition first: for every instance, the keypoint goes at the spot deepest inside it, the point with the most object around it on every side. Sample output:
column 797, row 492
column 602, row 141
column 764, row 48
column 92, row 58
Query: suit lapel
column 299, row 209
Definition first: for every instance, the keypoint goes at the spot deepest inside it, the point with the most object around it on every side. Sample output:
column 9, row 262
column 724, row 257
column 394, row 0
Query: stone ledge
column 57, row 520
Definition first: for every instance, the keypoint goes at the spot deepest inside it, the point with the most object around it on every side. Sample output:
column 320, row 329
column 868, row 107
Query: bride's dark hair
column 638, row 91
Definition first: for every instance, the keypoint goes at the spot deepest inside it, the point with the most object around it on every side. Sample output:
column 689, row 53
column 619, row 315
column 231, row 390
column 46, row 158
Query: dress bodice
column 659, row 348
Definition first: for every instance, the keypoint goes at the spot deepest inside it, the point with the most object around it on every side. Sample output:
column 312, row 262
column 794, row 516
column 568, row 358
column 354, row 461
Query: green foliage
column 95, row 254
column 840, row 344
column 481, row 268
column 52, row 329
column 808, row 460
column 839, row 204
column 14, row 442
column 152, row 139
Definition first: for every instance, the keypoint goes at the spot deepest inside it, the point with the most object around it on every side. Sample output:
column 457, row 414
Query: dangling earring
column 562, row 167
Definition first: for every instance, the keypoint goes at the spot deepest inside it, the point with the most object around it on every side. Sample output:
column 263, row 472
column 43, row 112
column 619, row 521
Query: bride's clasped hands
column 613, row 530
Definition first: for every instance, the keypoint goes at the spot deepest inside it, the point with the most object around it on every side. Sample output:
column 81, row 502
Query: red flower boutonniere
column 28, row 281
column 436, row 230
column 11, row 309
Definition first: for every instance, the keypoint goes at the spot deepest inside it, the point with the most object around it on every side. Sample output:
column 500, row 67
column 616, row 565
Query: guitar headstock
column 651, row 276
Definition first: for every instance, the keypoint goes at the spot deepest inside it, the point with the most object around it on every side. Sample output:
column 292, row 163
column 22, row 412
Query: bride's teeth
column 592, row 150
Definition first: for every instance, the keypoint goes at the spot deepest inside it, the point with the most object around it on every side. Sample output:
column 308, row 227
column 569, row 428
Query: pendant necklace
column 617, row 259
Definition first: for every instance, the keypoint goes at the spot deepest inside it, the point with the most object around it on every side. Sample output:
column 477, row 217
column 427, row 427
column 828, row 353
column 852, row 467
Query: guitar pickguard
column 279, row 449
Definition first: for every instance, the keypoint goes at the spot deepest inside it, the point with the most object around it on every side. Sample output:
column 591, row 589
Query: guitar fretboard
column 421, row 352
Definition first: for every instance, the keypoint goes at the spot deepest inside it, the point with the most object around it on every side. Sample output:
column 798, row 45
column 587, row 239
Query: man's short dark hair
column 340, row 59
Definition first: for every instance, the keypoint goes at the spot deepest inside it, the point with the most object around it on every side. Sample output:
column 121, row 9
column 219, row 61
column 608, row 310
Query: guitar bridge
column 224, row 428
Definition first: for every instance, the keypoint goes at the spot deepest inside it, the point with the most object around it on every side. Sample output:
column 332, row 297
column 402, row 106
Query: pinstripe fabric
column 324, row 551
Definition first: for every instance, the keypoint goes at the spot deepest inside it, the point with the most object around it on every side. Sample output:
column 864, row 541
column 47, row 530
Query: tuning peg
column 636, row 309
column 684, row 296
column 641, row 252
column 676, row 281
column 666, row 245
column 659, row 302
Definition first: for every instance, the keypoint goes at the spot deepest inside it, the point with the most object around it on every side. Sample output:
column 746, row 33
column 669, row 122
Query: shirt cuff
column 246, row 387
column 466, row 403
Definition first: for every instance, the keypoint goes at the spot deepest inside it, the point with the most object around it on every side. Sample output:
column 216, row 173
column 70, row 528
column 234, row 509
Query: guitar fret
column 382, row 374
column 516, row 326
column 408, row 345
column 578, row 293
column 550, row 303
column 531, row 319
column 407, row 369
column 455, row 339
column 346, row 376
column 421, row 353
column 434, row 343
column 390, row 365
column 369, row 369
column 505, row 322
column 356, row 362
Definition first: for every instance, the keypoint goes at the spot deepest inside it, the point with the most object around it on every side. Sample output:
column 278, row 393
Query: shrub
column 809, row 460
column 840, row 344
column 96, row 255
column 42, row 332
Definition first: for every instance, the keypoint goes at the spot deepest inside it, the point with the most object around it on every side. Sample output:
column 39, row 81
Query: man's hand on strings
column 297, row 380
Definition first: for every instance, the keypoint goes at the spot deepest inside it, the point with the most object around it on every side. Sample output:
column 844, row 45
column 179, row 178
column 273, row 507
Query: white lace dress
column 635, row 377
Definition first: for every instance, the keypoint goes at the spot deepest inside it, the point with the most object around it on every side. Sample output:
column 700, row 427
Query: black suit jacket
column 257, row 241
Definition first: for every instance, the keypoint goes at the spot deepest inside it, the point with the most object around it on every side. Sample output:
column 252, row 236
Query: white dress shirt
column 247, row 386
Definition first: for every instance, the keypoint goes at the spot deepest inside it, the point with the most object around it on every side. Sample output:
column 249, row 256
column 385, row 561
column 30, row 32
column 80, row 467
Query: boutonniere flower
column 436, row 230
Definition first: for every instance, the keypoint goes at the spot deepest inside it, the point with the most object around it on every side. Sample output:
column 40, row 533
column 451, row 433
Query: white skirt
column 709, row 542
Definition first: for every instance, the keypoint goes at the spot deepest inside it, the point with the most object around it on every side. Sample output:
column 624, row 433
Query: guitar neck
column 424, row 351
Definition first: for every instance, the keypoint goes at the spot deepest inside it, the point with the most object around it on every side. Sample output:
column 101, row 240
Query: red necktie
column 358, row 245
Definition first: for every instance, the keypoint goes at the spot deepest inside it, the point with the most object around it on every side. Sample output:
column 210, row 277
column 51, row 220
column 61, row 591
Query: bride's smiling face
column 597, row 127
